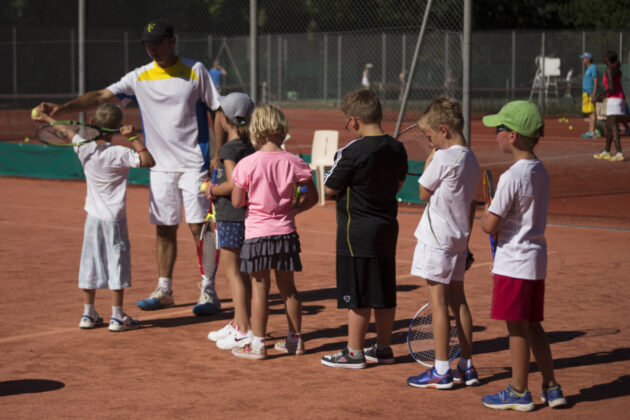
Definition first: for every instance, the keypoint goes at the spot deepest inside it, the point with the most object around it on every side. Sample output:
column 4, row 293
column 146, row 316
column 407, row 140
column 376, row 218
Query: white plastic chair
column 325, row 144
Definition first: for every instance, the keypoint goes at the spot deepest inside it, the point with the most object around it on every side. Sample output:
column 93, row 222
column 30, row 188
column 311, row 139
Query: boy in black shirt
column 366, row 176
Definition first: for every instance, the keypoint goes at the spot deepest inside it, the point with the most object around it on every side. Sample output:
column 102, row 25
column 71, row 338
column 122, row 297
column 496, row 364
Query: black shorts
column 365, row 282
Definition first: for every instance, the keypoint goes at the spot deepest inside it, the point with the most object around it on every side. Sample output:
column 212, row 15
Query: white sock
column 207, row 284
column 258, row 342
column 442, row 367
column 464, row 363
column 117, row 312
column 165, row 284
column 355, row 353
column 293, row 337
column 88, row 309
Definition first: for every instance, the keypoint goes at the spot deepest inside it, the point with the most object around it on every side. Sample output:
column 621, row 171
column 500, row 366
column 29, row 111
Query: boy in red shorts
column 518, row 214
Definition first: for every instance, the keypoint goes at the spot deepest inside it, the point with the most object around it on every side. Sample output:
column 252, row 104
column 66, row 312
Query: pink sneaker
column 248, row 352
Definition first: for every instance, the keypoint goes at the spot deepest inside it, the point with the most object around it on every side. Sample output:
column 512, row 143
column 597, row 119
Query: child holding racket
column 449, row 185
column 518, row 213
column 106, row 258
column 366, row 176
column 265, row 181
column 236, row 114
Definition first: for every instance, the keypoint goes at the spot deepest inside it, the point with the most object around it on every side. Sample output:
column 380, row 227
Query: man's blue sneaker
column 431, row 379
column 553, row 396
column 209, row 303
column 468, row 376
column 508, row 399
column 159, row 299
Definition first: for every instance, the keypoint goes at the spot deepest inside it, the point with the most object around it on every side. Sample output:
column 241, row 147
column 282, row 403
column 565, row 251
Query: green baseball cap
column 520, row 116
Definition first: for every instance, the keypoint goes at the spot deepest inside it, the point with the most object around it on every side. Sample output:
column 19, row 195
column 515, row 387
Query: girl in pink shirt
column 266, row 183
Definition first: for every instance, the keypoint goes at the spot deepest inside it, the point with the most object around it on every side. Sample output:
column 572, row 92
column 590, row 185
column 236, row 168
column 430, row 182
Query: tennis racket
column 417, row 146
column 420, row 338
column 62, row 133
column 488, row 193
column 209, row 241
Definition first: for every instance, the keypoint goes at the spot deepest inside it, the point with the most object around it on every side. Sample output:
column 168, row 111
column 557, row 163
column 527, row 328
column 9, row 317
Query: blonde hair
column 108, row 115
column 444, row 111
column 363, row 104
column 268, row 121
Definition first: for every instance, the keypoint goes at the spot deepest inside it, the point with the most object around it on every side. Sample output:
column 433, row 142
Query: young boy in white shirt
column 518, row 215
column 449, row 185
column 106, row 258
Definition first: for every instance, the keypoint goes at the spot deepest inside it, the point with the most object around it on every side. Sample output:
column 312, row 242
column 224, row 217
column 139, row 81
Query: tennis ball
column 26, row 139
column 570, row 127
column 34, row 113
column 204, row 187
column 560, row 120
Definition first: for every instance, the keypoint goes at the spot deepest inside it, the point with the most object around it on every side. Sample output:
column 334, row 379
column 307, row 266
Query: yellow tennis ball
column 559, row 119
column 204, row 187
column 26, row 139
column 570, row 127
column 34, row 113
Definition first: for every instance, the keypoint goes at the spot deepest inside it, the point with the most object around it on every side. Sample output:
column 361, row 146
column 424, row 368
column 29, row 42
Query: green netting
column 39, row 161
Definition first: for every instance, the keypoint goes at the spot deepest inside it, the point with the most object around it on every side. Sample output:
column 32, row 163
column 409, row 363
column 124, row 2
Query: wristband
column 144, row 149
column 133, row 138
column 210, row 190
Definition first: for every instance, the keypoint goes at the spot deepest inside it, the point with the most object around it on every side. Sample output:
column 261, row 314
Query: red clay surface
column 168, row 368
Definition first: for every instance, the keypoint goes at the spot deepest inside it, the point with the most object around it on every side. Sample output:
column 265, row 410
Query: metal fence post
column 338, row 69
column 269, row 66
column 15, row 67
column 383, row 60
column 82, row 52
column 253, row 51
column 73, row 63
column 325, row 66
column 513, row 64
column 621, row 47
column 543, row 87
column 126, row 51
column 279, row 71
column 583, row 49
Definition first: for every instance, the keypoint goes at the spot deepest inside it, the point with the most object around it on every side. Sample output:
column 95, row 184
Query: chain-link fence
column 310, row 53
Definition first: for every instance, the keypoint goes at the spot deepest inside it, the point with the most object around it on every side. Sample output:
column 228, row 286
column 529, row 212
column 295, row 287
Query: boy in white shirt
column 105, row 258
column 518, row 214
column 449, row 185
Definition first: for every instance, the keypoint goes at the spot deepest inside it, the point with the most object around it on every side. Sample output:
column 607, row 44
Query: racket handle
column 302, row 189
column 214, row 177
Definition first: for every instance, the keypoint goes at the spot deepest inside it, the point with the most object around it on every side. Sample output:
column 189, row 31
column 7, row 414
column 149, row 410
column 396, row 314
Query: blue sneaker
column 431, row 379
column 508, row 399
column 158, row 300
column 468, row 376
column 553, row 396
column 208, row 304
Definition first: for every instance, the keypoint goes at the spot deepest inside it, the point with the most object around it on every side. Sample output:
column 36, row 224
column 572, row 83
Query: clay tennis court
column 168, row 368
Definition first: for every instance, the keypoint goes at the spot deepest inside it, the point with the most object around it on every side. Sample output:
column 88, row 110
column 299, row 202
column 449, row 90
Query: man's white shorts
column 170, row 190
column 437, row 265
column 106, row 256
column 615, row 106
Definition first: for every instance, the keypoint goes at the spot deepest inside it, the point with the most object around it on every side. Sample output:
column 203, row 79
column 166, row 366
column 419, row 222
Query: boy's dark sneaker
column 344, row 359
column 383, row 356
column 468, row 376
column 553, row 396
column 508, row 399
column 431, row 379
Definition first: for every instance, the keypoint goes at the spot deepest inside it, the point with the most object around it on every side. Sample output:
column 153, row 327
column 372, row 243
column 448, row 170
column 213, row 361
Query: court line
column 613, row 229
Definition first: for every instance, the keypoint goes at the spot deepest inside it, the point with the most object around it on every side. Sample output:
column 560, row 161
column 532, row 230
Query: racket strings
column 421, row 344
column 416, row 143
column 207, row 250
column 64, row 133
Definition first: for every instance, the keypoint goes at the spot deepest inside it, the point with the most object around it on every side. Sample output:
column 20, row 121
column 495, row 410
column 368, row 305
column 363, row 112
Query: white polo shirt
column 453, row 176
column 173, row 104
column 521, row 201
column 106, row 170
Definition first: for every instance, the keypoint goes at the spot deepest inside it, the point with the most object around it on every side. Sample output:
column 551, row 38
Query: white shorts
column 615, row 106
column 169, row 190
column 106, row 256
column 437, row 265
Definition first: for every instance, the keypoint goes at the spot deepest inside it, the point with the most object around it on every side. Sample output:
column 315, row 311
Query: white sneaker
column 124, row 324
column 236, row 339
column 617, row 158
column 223, row 332
column 88, row 322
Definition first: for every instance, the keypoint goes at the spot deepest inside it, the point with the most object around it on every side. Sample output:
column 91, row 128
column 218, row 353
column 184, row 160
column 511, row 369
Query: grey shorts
column 106, row 256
